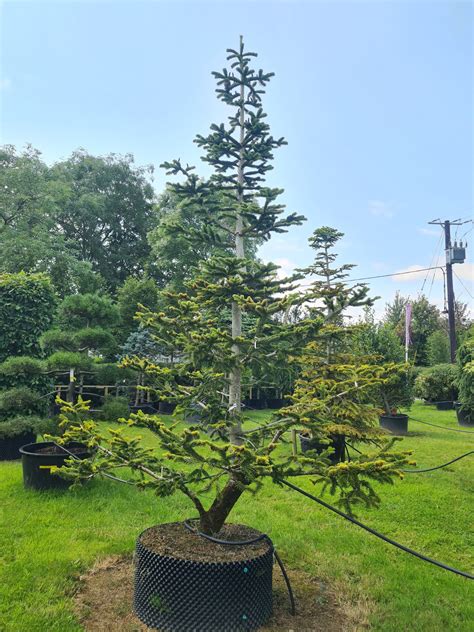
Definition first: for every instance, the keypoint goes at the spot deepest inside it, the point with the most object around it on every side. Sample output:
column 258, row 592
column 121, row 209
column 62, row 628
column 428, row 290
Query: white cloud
column 465, row 271
column 380, row 209
column 5, row 83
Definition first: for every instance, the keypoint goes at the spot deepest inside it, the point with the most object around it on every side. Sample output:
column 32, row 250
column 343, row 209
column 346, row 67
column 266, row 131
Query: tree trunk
column 235, row 387
column 212, row 520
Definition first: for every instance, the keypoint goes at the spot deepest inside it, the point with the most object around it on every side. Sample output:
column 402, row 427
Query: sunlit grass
column 48, row 539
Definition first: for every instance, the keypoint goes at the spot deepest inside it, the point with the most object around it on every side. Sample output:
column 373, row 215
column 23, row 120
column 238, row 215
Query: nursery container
column 397, row 424
column 37, row 463
column 10, row 446
column 465, row 418
column 173, row 594
column 445, row 405
column 166, row 408
column 338, row 442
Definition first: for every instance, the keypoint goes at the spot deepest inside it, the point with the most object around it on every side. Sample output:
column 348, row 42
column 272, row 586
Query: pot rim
column 185, row 560
column 28, row 449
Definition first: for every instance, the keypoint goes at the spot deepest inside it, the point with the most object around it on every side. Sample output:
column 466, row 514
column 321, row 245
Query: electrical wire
column 438, row 467
column 457, row 277
column 383, row 537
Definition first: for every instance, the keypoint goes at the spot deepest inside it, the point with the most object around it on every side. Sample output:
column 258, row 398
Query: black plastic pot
column 338, row 442
column 166, row 408
column 177, row 595
column 465, row 418
column 445, row 405
column 149, row 409
column 397, row 424
column 277, row 403
column 37, row 466
column 10, row 446
column 254, row 404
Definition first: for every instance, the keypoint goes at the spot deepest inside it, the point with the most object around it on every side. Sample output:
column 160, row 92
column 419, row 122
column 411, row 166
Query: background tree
column 426, row 319
column 83, row 334
column 330, row 288
column 105, row 206
column 135, row 292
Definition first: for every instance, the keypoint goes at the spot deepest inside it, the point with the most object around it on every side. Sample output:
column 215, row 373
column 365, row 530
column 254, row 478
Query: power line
column 458, row 278
column 382, row 276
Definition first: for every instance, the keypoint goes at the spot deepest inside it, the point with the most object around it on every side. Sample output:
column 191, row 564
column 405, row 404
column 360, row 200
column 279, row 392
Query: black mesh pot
column 37, row 466
column 338, row 442
column 465, row 418
column 178, row 595
column 396, row 424
column 10, row 446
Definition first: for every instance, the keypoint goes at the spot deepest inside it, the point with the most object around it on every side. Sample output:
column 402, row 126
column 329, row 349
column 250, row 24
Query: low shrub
column 114, row 408
column 21, row 401
column 438, row 383
column 466, row 376
column 23, row 423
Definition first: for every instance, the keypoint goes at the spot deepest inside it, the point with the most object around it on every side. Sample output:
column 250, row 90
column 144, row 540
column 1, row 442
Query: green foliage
column 104, row 205
column 27, row 305
column 21, row 400
column 426, row 319
column 110, row 373
column 57, row 339
column 114, row 408
column 438, row 383
column 133, row 293
column 228, row 319
column 23, row 423
column 65, row 360
column 87, row 310
column 438, row 348
column 25, row 371
column 466, row 374
column 380, row 342
column 330, row 288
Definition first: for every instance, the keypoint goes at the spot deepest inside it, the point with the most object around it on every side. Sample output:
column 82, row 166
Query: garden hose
column 429, row 469
column 438, row 467
column 259, row 538
column 376, row 533
column 428, row 423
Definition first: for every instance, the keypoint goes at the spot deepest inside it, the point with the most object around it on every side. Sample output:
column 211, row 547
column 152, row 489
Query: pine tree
column 228, row 320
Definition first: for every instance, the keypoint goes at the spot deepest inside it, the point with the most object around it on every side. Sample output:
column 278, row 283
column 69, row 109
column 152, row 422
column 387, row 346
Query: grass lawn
column 48, row 539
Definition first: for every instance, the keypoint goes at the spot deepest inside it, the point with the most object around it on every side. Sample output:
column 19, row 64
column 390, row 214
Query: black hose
column 438, row 467
column 259, row 538
column 376, row 533
column 428, row 423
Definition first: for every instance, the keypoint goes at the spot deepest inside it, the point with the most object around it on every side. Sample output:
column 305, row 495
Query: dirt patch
column 175, row 540
column 103, row 602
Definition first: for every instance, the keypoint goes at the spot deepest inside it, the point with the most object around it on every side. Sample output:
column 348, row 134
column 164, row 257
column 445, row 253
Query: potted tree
column 465, row 405
column 82, row 338
column 185, row 578
column 438, row 385
column 395, row 393
column 330, row 296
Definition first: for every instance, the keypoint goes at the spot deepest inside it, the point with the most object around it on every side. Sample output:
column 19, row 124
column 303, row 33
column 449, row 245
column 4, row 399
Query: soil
column 175, row 540
column 103, row 602
column 57, row 451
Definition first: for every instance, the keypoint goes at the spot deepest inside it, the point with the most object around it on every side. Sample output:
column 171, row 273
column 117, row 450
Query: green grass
column 48, row 539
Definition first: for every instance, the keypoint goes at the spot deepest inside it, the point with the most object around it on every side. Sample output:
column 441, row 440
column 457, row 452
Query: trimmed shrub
column 466, row 376
column 21, row 401
column 24, row 423
column 27, row 304
column 438, row 383
column 114, row 408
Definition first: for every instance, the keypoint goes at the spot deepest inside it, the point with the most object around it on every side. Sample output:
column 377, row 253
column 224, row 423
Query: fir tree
column 229, row 318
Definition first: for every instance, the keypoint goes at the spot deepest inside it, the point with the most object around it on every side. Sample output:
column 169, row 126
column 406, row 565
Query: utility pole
column 455, row 254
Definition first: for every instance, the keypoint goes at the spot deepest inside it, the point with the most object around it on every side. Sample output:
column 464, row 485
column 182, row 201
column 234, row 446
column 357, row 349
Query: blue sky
column 374, row 98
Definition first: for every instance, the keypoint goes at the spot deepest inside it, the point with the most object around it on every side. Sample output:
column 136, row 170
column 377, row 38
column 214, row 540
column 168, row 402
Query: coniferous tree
column 228, row 319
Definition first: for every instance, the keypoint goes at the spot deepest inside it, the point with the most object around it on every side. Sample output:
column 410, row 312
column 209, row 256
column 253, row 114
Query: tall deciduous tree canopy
column 105, row 206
